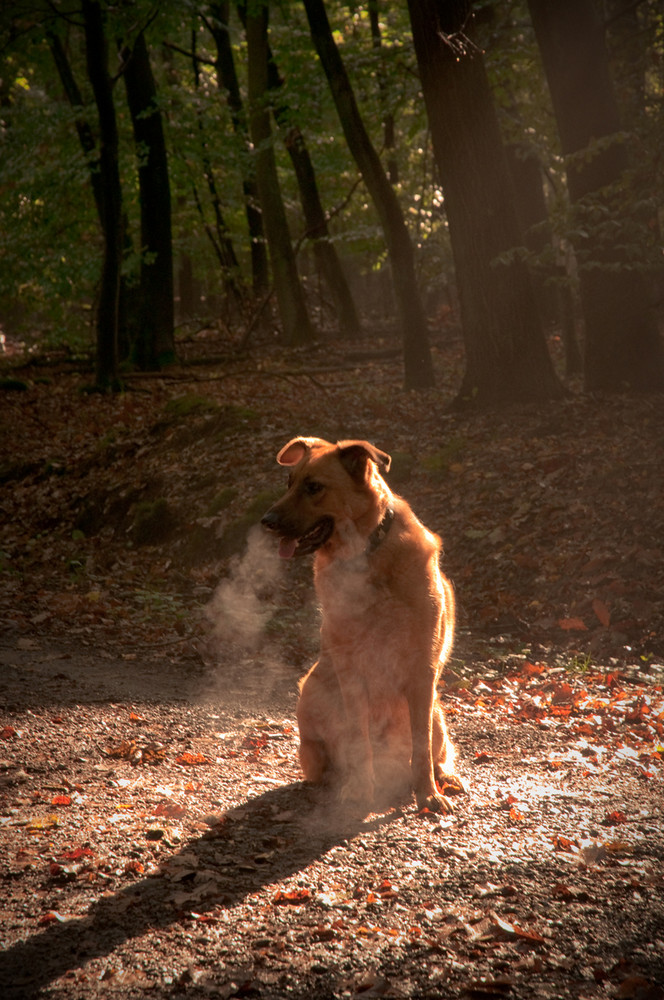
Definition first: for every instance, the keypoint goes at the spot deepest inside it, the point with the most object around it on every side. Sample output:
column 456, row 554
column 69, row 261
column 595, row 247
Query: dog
column 368, row 712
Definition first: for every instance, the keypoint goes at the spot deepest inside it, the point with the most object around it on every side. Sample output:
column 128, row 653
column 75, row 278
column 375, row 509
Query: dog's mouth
column 309, row 542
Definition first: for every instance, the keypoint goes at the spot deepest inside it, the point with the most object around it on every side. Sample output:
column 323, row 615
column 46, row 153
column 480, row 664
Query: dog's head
column 329, row 486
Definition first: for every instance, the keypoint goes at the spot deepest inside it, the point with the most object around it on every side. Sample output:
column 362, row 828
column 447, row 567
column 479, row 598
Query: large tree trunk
column 314, row 216
column 290, row 296
column 96, row 52
column 623, row 349
column 506, row 353
column 154, row 345
column 228, row 81
column 417, row 356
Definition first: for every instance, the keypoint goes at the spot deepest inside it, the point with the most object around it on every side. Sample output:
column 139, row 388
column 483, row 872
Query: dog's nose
column 270, row 520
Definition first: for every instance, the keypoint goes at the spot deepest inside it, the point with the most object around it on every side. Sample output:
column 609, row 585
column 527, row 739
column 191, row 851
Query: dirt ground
column 156, row 838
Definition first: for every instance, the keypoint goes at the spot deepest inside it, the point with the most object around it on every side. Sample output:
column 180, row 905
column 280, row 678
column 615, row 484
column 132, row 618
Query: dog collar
column 380, row 534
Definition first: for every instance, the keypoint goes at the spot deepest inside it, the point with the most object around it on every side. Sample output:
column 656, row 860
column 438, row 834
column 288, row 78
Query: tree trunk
column 228, row 81
column 417, row 356
column 314, row 216
column 290, row 296
column 388, row 117
column 623, row 349
column 506, row 353
column 96, row 52
column 155, row 345
column 127, row 321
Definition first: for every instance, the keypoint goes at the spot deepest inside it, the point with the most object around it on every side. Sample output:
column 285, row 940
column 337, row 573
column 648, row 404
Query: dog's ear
column 354, row 456
column 293, row 452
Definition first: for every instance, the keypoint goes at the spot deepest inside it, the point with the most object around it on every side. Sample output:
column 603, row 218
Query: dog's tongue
column 287, row 547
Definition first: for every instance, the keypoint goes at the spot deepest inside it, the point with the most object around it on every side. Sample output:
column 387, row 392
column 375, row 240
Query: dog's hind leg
column 318, row 711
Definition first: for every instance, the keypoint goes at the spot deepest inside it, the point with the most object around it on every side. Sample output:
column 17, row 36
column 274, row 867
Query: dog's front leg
column 421, row 703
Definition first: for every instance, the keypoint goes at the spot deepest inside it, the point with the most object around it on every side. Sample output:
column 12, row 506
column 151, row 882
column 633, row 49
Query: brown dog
column 368, row 711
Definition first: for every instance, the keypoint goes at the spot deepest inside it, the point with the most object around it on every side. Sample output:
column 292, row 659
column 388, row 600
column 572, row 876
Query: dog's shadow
column 266, row 840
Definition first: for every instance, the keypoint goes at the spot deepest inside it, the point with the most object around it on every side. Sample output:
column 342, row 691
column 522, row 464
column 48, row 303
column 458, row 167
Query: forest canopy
column 311, row 170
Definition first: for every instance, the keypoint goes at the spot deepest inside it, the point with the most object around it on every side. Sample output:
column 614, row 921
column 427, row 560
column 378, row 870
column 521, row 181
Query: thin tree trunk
column 506, row 353
column 314, row 215
column 96, row 51
column 228, row 81
column 417, row 356
column 219, row 236
column 155, row 345
column 290, row 296
column 623, row 349
column 388, row 117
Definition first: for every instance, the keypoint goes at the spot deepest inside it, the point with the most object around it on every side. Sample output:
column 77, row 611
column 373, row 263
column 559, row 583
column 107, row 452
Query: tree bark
column 388, row 117
column 96, row 52
column 290, row 296
column 418, row 368
column 314, row 215
column 623, row 349
column 228, row 81
column 154, row 346
column 506, row 353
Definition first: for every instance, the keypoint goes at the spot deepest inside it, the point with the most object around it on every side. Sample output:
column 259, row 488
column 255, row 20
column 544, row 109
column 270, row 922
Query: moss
column 190, row 403
column 438, row 463
column 221, row 501
column 13, row 385
column 154, row 522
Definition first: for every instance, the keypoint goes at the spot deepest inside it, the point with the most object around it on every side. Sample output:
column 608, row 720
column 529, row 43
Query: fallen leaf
column 192, row 759
column 602, row 612
column 293, row 897
column 614, row 818
column 573, row 625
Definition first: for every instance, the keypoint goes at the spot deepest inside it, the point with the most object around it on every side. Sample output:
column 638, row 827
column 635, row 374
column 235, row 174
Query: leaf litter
column 155, row 837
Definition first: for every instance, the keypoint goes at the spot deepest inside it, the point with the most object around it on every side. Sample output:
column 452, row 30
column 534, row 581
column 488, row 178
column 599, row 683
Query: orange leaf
column 602, row 612
column 295, row 896
column 187, row 757
column 61, row 800
column 170, row 809
column 134, row 867
column 614, row 818
column 7, row 733
column 573, row 625
column 76, row 853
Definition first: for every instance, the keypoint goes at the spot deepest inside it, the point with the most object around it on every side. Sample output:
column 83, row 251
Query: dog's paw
column 435, row 803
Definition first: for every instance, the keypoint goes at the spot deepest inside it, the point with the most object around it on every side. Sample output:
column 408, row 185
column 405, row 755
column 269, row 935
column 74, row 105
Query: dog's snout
column 270, row 520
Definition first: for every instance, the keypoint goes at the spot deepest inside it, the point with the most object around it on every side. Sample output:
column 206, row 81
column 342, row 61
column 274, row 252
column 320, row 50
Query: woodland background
column 434, row 226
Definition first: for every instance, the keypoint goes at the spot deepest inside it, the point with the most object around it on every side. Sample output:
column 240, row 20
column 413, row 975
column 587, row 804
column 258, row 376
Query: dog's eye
column 311, row 487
